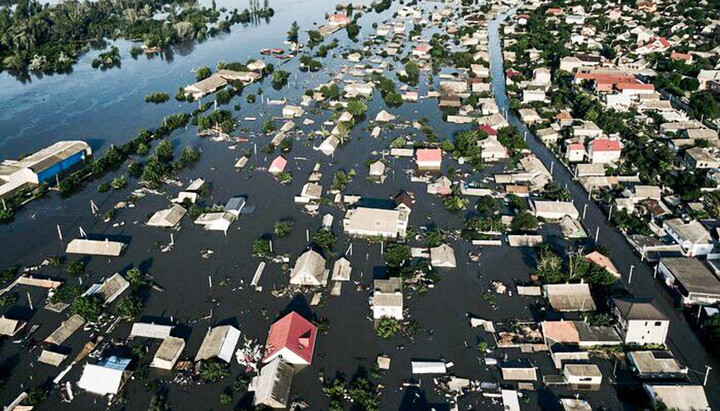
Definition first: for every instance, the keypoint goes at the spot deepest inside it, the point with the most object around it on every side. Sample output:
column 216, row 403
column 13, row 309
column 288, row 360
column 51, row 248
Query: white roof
column 679, row 397
column 101, row 380
column 149, row 330
column 219, row 342
column 95, row 247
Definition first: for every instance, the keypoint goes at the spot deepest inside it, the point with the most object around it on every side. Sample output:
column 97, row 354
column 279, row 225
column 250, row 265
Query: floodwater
column 108, row 107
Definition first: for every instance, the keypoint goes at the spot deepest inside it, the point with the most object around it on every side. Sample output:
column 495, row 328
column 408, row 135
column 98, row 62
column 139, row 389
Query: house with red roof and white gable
column 604, row 150
column 339, row 19
column 292, row 338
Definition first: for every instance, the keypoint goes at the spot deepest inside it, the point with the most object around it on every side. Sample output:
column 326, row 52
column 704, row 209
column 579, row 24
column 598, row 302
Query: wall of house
column 641, row 332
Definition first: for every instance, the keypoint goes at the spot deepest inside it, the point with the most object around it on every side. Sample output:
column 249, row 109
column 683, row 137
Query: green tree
column 75, row 268
column 293, row 33
column 213, row 371
column 261, row 247
column 130, row 307
column 283, row 228
column 434, row 238
column 397, row 254
column 524, row 222
column 89, row 307
column 356, row 107
column 325, row 239
column 387, row 328
column 202, row 73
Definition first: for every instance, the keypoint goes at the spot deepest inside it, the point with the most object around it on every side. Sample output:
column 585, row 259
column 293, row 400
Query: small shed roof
column 569, row 297
column 51, row 358
column 341, row 270
column 95, row 247
column 65, row 330
column 150, row 330
column 219, row 342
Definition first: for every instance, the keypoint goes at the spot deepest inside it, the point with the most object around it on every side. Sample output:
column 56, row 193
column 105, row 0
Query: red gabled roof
column 605, row 144
column 664, row 42
column 491, row 131
column 294, row 333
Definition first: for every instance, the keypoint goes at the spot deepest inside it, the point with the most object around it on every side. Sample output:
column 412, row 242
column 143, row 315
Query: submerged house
column 380, row 222
column 309, row 270
column 106, row 377
column 640, row 322
column 9, row 327
column 168, row 353
column 387, row 299
column 219, row 343
column 65, row 330
column 272, row 385
column 291, row 338
column 167, row 218
column 569, row 297
column 95, row 247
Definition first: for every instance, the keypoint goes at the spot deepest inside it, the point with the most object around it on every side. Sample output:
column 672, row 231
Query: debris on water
column 206, row 253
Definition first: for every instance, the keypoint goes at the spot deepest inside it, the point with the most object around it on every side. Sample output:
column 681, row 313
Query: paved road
column 682, row 339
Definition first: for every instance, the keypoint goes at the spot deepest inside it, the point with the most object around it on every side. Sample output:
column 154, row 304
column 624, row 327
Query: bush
column 89, row 307
column 213, row 371
column 261, row 247
column 524, row 222
column 202, row 73
column 75, row 268
column 157, row 98
column 130, row 307
column 324, row 239
column 283, row 228
column 387, row 328
column 397, row 254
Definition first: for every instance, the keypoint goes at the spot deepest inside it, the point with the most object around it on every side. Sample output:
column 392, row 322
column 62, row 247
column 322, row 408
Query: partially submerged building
column 656, row 365
column 569, row 297
column 168, row 353
column 443, row 256
column 272, row 385
column 42, row 166
column 380, row 222
column 9, row 327
column 291, row 338
column 219, row 343
column 110, row 289
column 678, row 397
column 65, row 330
column 106, row 377
column 640, row 322
column 309, row 270
column 95, row 247
column 387, row 298
column 693, row 280
column 167, row 218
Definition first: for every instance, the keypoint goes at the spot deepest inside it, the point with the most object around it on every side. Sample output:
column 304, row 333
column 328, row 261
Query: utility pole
column 584, row 210
column 597, row 234
column 707, row 373
column 632, row 267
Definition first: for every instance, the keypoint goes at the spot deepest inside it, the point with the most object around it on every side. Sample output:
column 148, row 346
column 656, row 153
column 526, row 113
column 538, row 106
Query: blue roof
column 115, row 363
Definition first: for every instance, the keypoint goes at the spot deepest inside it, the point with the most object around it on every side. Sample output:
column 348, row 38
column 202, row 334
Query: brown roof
column 638, row 309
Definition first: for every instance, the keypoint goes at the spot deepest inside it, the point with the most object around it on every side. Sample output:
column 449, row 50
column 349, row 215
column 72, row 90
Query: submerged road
column 682, row 339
